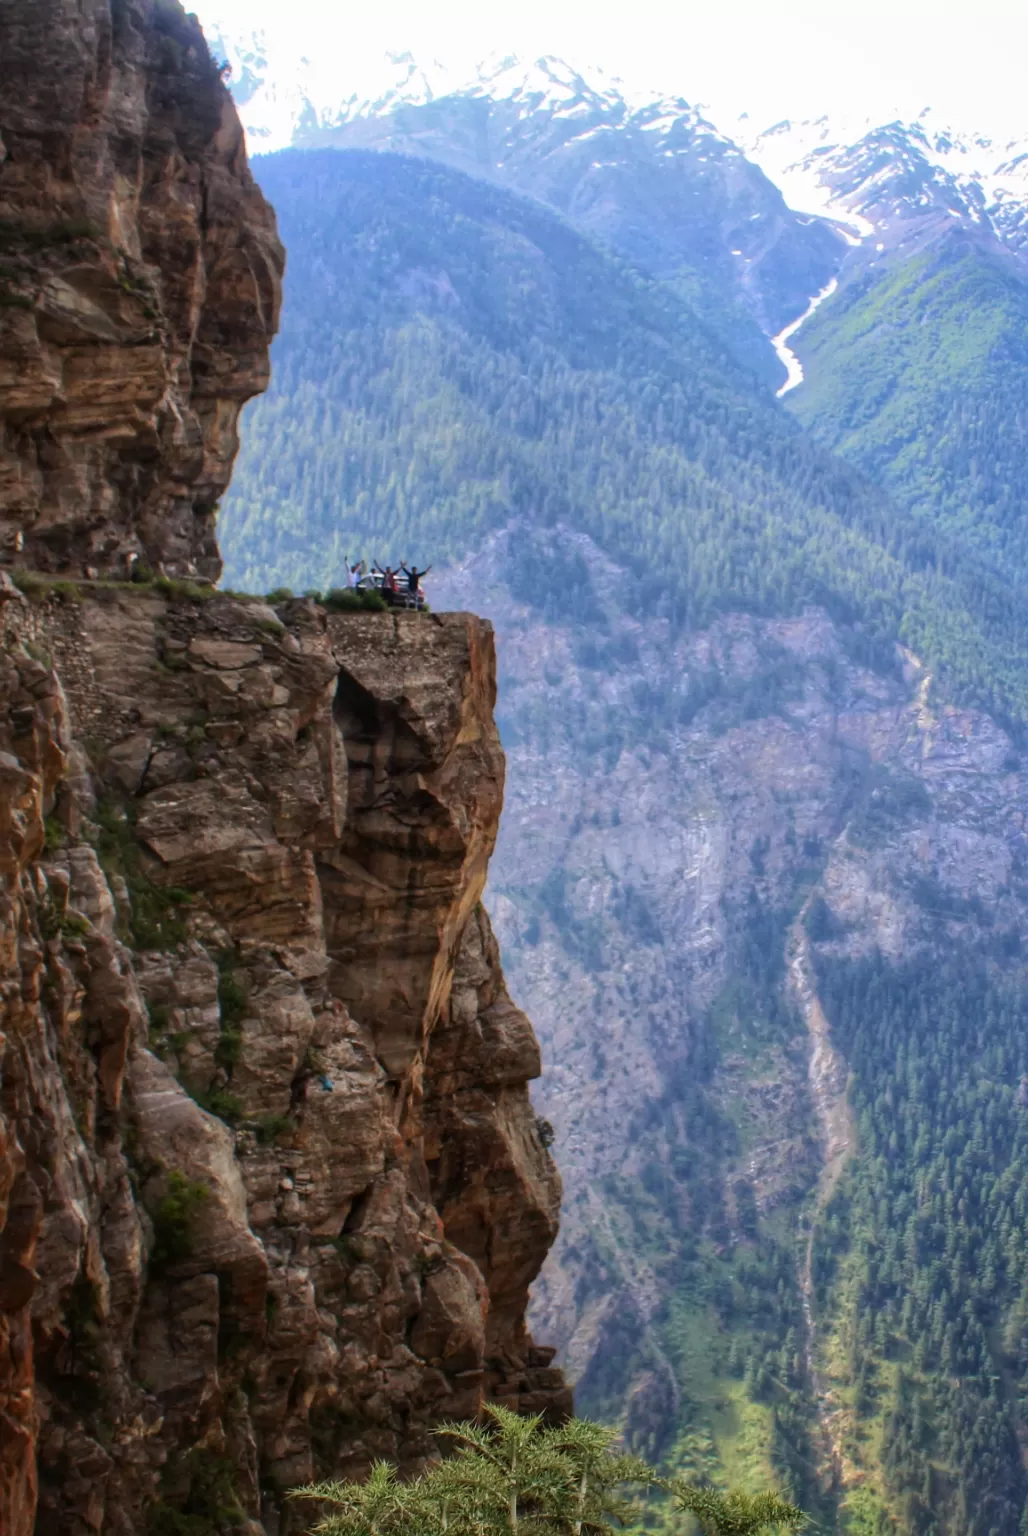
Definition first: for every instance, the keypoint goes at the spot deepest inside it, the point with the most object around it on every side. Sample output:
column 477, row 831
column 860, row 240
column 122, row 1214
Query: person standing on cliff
column 353, row 572
column 414, row 577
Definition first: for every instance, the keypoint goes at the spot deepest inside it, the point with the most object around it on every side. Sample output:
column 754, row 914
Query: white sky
column 772, row 58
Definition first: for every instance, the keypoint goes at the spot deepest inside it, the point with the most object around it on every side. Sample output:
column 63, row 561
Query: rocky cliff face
column 274, row 1190
column 139, row 287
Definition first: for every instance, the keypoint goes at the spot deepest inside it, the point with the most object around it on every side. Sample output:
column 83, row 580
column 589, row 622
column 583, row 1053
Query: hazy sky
column 772, row 59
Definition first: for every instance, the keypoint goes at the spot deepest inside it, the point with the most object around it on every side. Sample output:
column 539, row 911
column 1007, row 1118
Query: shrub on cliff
column 345, row 600
column 174, row 1221
column 517, row 1475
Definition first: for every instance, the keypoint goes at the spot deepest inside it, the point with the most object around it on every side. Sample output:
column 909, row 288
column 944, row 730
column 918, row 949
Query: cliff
column 272, row 1191
column 139, row 287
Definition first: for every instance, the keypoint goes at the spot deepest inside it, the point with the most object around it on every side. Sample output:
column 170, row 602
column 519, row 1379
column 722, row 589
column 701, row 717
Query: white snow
column 791, row 363
column 666, row 120
column 294, row 90
column 863, row 226
column 829, row 167
column 833, row 166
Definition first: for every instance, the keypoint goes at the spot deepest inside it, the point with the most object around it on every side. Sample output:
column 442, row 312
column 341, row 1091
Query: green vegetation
column 344, row 600
column 728, row 1400
column 514, row 1474
column 174, row 1221
column 218, row 1101
column 271, row 1127
column 38, row 652
column 920, row 377
column 65, row 925
column 921, row 1259
column 183, row 591
column 483, row 365
column 54, row 834
column 37, row 588
column 159, row 914
column 198, row 1497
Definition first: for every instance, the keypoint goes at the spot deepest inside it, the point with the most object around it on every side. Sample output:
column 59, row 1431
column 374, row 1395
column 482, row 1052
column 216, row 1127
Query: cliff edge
column 274, row 1189
column 272, row 1192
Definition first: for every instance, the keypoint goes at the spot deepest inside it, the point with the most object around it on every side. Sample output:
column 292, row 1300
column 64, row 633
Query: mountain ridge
column 820, row 165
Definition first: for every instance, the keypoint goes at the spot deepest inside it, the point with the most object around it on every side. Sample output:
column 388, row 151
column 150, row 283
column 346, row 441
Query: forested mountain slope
column 916, row 369
column 652, row 179
column 919, row 375
column 647, row 174
column 913, row 370
column 752, row 846
column 453, row 357
column 774, row 952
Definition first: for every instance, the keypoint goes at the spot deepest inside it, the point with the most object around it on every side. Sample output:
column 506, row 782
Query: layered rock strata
column 139, row 287
column 272, row 1187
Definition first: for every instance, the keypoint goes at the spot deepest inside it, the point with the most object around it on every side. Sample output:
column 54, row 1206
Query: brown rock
column 307, row 1233
column 142, row 286
column 271, row 1189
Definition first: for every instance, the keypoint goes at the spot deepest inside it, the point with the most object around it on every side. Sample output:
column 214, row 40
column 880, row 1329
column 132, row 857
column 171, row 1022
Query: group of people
column 358, row 574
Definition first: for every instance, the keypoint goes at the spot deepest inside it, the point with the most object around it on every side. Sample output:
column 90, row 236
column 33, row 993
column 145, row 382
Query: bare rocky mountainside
column 684, row 906
column 272, row 1191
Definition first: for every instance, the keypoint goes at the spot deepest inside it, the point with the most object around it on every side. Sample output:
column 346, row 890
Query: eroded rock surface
column 140, row 279
column 273, row 1189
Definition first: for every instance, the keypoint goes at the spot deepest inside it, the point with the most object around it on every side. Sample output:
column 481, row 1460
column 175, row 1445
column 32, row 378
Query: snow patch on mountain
column 851, row 169
column 286, row 95
column 786, row 356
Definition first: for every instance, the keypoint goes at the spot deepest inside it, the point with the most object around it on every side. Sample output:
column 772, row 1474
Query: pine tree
column 514, row 1476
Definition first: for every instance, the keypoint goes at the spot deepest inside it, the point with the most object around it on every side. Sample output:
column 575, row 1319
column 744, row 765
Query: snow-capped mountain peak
column 284, row 94
column 869, row 174
column 287, row 97
column 550, row 125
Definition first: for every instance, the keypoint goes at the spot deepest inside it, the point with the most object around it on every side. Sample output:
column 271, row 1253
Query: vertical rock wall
column 274, row 1188
column 271, row 1187
column 140, row 279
